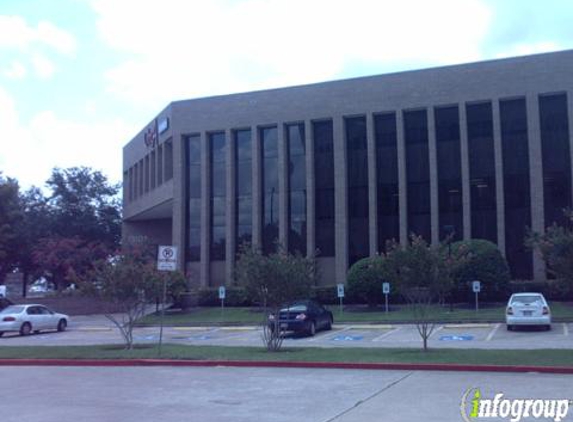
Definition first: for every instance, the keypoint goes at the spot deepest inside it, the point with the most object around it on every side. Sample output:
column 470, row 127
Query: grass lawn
column 170, row 351
column 398, row 313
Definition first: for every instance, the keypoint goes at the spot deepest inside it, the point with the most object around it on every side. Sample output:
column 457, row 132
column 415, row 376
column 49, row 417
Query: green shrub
column 485, row 264
column 364, row 280
column 326, row 295
column 234, row 296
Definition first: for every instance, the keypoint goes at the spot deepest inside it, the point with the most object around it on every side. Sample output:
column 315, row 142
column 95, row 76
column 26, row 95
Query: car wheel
column 548, row 327
column 25, row 329
column 509, row 327
column 312, row 329
column 329, row 324
column 1, row 333
column 62, row 325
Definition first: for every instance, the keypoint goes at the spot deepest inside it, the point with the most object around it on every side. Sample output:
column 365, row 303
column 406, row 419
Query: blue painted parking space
column 343, row 337
column 456, row 337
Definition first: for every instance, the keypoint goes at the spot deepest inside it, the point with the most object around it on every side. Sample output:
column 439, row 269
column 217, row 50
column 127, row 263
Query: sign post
column 340, row 293
column 222, row 294
column 386, row 291
column 476, row 287
column 166, row 261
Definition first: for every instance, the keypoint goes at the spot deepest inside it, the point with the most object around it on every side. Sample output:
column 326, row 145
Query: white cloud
column 16, row 33
column 178, row 49
column 16, row 70
column 521, row 49
column 32, row 148
column 44, row 68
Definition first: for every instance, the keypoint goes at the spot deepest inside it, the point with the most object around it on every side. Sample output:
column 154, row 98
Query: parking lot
column 97, row 330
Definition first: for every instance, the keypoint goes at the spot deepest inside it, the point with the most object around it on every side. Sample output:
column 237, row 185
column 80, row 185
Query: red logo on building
column 150, row 135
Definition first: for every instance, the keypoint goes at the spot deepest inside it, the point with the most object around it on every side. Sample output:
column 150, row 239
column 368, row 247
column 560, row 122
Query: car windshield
column 297, row 307
column 527, row 300
column 12, row 310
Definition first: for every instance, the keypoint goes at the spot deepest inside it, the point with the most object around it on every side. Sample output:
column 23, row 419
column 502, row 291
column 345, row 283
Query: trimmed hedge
column 364, row 280
column 234, row 296
column 487, row 265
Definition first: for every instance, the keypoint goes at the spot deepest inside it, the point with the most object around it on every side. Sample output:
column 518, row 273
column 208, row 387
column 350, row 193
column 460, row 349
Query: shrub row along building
column 479, row 150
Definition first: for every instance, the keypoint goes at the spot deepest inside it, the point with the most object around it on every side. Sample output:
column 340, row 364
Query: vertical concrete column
column 231, row 207
column 465, row 162
column 310, row 191
column 570, row 122
column 433, row 161
column 535, row 180
column 205, row 266
column 402, row 178
column 257, row 186
column 340, row 199
column 498, row 161
column 372, row 185
column 283, row 167
column 178, row 227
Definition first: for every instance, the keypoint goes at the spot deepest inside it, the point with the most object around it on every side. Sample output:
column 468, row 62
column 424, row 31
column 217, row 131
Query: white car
column 26, row 319
column 527, row 309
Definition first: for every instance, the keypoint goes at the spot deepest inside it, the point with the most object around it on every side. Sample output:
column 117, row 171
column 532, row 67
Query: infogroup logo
column 475, row 407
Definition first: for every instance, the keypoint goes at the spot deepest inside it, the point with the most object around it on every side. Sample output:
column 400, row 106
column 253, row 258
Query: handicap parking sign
column 456, row 338
column 347, row 338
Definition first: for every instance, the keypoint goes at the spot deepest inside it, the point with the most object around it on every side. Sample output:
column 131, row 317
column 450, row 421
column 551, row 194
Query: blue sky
column 79, row 78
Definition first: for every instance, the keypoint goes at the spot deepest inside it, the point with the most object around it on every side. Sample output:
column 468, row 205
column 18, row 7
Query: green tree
column 10, row 217
column 84, row 204
column 424, row 276
column 127, row 284
column 273, row 281
column 556, row 247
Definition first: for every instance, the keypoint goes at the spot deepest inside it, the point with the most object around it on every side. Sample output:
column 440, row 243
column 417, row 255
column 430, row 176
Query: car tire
column 548, row 327
column 62, row 325
column 1, row 333
column 329, row 324
column 509, row 327
column 25, row 329
column 312, row 329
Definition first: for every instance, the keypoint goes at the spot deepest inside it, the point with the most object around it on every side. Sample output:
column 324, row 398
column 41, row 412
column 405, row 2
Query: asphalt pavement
column 221, row 394
column 99, row 330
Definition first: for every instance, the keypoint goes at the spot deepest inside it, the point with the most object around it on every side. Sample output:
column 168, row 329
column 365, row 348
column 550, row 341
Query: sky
column 80, row 78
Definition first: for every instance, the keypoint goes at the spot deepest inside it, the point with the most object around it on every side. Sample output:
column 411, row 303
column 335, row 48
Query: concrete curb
column 267, row 364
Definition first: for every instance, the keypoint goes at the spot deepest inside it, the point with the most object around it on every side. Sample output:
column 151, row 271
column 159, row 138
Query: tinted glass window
column 297, row 188
column 193, row 149
column 217, row 157
column 516, row 186
column 324, row 187
column 357, row 173
column 244, row 181
column 482, row 171
column 269, row 151
column 387, row 178
column 417, row 172
column 556, row 157
column 447, row 124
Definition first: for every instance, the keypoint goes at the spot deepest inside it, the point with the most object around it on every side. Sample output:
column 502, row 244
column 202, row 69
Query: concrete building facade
column 337, row 169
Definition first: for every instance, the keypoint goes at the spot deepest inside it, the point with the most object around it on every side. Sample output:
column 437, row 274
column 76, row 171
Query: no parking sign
column 167, row 258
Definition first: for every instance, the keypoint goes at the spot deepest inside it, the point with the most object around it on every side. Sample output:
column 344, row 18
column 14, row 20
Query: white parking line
column 565, row 330
column 383, row 336
column 492, row 332
column 436, row 330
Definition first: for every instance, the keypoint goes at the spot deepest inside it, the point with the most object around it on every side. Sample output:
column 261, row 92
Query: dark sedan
column 304, row 316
